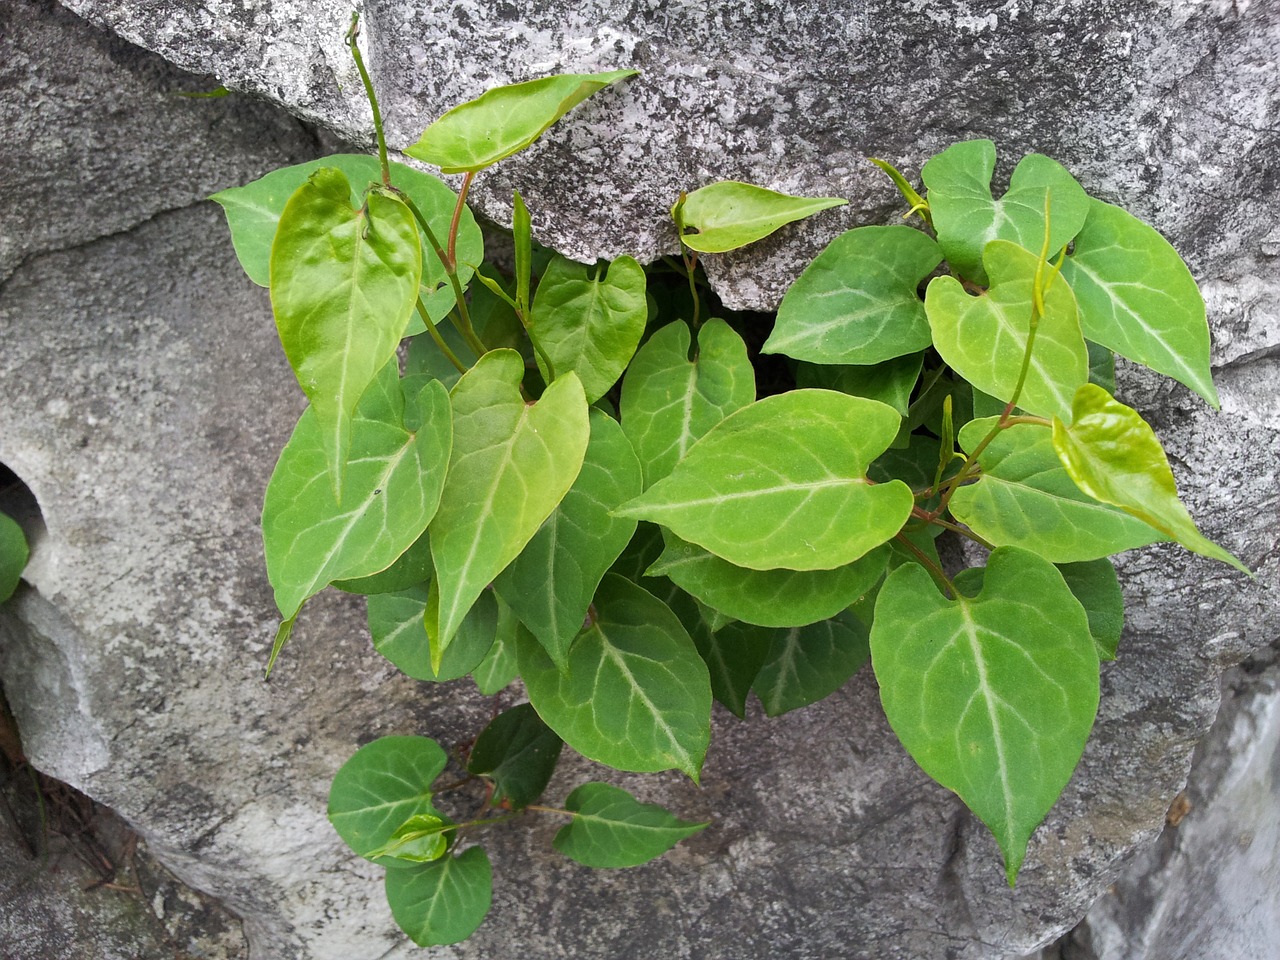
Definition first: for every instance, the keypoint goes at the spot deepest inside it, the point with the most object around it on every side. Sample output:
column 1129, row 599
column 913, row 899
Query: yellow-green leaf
column 729, row 214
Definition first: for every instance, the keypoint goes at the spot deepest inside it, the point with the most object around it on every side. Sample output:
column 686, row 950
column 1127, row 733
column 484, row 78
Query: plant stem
column 929, row 565
column 352, row 34
column 953, row 527
column 457, row 219
column 690, row 265
column 439, row 340
column 542, row 809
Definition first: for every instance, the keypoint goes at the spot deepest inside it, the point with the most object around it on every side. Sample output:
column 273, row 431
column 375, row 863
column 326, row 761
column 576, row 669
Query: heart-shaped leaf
column 442, row 902
column 610, row 828
column 1113, row 456
column 518, row 752
column 505, row 120
column 967, row 217
column 729, row 214
column 806, row 664
column 763, row 497
column 993, row 695
column 1138, row 298
column 512, row 463
column 13, row 556
column 984, row 338
column 857, row 301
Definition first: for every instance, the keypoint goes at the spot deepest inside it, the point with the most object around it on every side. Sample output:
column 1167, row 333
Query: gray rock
column 143, row 399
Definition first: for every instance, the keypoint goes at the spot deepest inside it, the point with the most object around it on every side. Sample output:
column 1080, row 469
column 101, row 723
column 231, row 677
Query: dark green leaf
column 734, row 655
column 890, row 381
column 499, row 666
column 442, row 902
column 806, row 664
column 13, row 556
column 518, row 752
column 396, row 623
column 412, row 567
column 1097, row 587
column 610, row 828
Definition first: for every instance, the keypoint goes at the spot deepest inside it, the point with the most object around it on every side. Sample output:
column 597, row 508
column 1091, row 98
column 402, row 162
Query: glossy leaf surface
column 610, row 828
column 396, row 623
column 505, row 120
column 993, row 695
column 518, row 752
column 13, row 555
column 729, row 214
column 442, row 902
column 857, row 301
column 806, row 664
column 420, row 839
column 764, row 497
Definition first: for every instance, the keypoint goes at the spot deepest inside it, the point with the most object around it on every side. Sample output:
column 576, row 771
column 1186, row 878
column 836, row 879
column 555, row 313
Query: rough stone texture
column 143, row 399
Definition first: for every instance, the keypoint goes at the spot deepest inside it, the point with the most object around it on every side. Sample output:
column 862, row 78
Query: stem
column 953, row 527
column 464, row 318
column 929, row 565
column 690, row 265
column 542, row 809
column 373, row 98
column 452, row 264
column 426, row 229
column 439, row 340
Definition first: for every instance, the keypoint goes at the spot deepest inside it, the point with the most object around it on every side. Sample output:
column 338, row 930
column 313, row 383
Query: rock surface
column 143, row 398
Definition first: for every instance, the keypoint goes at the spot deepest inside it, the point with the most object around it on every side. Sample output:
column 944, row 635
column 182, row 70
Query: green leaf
column 1102, row 365
column 636, row 696
column 769, row 598
column 734, row 655
column 512, row 463
column 967, row 218
column 518, row 752
column 505, row 120
column 1113, row 456
column 1097, row 587
column 13, row 556
column 1138, row 298
column 496, row 671
column 410, row 569
column 399, row 634
column 382, row 786
column 858, row 301
column 764, row 497
column 590, row 323
column 420, row 839
column 984, row 338
column 729, row 214
column 670, row 401
column 610, row 828
column 890, row 381
column 993, row 695
column 442, row 902
column 394, row 482
column 806, row 664
column 1026, row 499
column 343, row 284
column 551, row 583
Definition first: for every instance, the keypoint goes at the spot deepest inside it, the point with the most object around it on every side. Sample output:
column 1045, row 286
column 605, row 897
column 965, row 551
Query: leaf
column 967, row 218
column 1113, row 456
column 394, row 481
column 857, row 302
column 518, row 752
column 669, row 401
column 343, row 284
column 589, row 323
column 770, row 598
column 382, row 786
column 1097, row 587
column 1026, row 499
column 783, row 483
column 1102, row 365
column 993, row 695
column 1138, row 298
column 551, row 583
column 984, row 338
column 505, row 120
column 610, row 828
column 13, row 556
column 734, row 655
column 496, row 671
column 399, row 634
column 512, row 463
column 420, row 839
column 410, row 569
column 890, row 381
column 442, row 902
column 636, row 695
column 806, row 664
column 729, row 214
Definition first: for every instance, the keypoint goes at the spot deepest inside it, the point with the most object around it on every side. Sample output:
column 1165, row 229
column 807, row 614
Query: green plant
column 632, row 552
column 13, row 555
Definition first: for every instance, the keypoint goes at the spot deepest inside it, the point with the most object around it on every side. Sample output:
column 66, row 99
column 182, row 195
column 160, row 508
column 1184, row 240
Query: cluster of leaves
column 574, row 481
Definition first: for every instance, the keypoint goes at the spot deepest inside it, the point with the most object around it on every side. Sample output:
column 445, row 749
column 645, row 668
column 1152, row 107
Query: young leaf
column 399, row 634
column 442, row 902
column 769, row 598
column 729, row 214
column 993, row 695
column 669, row 401
column 512, row 463
column 394, row 481
column 984, row 338
column 505, row 120
column 590, row 323
column 764, row 497
column 13, row 556
column 343, row 284
column 551, row 583
column 967, row 217
column 857, row 301
column 890, row 381
column 522, row 237
column 1138, row 298
column 518, row 752
column 636, row 695
column 734, row 655
column 499, row 667
column 1113, row 456
column 382, row 786
column 1026, row 499
column 806, row 664
column 420, row 839
column 610, row 828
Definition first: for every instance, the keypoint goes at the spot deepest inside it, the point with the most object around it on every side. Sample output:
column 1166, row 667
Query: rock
column 143, row 398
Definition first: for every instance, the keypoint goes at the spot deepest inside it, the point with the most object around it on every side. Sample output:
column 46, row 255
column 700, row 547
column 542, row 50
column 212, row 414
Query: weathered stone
column 143, row 399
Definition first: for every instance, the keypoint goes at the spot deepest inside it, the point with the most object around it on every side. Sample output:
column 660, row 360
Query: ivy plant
column 571, row 476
